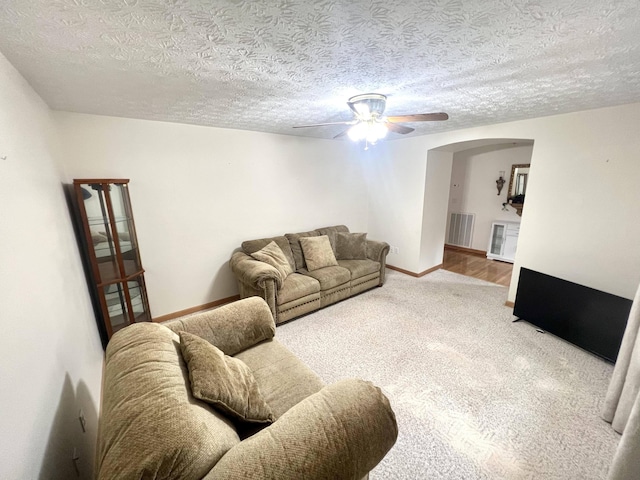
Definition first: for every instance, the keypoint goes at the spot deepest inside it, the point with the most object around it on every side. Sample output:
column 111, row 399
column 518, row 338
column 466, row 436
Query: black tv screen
column 586, row 317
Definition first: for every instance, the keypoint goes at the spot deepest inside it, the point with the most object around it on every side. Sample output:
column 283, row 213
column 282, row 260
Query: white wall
column 473, row 186
column 396, row 174
column 434, row 213
column 51, row 354
column 198, row 192
column 580, row 220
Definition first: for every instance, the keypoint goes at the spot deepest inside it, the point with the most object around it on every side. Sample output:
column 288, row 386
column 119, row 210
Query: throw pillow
column 98, row 237
column 317, row 252
column 274, row 256
column 225, row 382
column 351, row 246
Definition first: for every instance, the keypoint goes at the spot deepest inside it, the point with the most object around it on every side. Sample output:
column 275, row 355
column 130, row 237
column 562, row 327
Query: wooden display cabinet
column 112, row 253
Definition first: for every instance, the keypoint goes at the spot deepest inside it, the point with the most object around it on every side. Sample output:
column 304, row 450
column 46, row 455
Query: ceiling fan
column 371, row 125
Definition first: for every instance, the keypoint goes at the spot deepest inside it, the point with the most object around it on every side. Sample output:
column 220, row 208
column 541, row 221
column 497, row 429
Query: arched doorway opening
column 485, row 205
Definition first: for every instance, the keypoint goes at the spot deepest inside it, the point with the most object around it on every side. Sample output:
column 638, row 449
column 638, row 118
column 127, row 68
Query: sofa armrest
column 233, row 327
column 254, row 272
column 341, row 432
column 377, row 251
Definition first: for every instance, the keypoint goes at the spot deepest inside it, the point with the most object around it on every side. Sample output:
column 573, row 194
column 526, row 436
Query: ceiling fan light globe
column 358, row 132
column 380, row 130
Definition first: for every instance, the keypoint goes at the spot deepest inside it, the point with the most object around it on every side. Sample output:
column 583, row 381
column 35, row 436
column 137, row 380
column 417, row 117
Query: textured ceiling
column 269, row 65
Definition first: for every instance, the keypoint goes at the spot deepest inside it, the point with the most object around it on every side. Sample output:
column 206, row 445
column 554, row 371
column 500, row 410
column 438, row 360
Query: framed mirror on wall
column 518, row 186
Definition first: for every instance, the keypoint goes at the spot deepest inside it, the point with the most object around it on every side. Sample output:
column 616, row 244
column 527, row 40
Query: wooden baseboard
column 470, row 251
column 509, row 304
column 199, row 308
column 413, row 274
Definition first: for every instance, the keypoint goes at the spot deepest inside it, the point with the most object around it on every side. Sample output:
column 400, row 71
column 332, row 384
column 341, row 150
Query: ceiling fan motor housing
column 372, row 104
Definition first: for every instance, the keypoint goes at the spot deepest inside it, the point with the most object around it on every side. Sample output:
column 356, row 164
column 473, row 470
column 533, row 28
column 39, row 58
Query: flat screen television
column 588, row 318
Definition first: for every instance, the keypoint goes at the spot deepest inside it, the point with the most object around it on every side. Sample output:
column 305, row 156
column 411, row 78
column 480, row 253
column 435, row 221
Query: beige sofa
column 152, row 427
column 304, row 291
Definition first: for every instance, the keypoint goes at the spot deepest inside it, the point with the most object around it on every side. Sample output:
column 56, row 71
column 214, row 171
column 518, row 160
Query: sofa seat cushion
column 360, row 268
column 296, row 286
column 284, row 380
column 153, row 423
column 329, row 277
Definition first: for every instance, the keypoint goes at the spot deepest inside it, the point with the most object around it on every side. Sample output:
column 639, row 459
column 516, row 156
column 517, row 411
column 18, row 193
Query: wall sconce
column 500, row 182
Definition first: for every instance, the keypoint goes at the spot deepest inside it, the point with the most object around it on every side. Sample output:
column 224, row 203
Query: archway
column 465, row 212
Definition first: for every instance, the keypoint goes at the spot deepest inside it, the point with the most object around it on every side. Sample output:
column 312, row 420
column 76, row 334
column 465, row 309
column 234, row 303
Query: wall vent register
column 461, row 229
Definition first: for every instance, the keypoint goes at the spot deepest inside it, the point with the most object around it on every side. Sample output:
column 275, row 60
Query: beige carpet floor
column 476, row 396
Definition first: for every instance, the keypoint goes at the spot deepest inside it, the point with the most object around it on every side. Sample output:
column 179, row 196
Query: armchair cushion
column 351, row 246
column 223, row 381
column 318, row 252
column 283, row 379
column 250, row 318
column 274, row 256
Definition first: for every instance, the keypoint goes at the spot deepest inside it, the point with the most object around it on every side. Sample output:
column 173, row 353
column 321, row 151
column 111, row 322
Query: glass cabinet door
column 497, row 238
column 125, row 303
column 112, row 252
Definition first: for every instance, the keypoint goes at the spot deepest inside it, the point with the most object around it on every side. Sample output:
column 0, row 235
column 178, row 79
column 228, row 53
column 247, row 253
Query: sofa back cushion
column 351, row 246
column 151, row 426
column 331, row 233
column 252, row 246
column 296, row 248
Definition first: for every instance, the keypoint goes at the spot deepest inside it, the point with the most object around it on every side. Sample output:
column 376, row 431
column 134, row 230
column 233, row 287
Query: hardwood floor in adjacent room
column 477, row 266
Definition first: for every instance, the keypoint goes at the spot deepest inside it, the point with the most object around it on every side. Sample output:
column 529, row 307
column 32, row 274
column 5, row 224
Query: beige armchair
column 152, row 427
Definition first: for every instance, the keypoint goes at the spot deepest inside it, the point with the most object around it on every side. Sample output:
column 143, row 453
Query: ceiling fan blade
column 419, row 117
column 351, row 122
column 396, row 128
column 342, row 134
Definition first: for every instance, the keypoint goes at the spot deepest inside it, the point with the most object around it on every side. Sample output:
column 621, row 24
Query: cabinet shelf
column 93, row 221
column 112, row 257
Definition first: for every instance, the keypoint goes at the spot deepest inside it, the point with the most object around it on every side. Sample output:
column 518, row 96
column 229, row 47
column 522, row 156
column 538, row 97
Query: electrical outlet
column 394, row 250
column 397, row 251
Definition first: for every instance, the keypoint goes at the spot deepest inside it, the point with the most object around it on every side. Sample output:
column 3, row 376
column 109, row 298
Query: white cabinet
column 503, row 241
